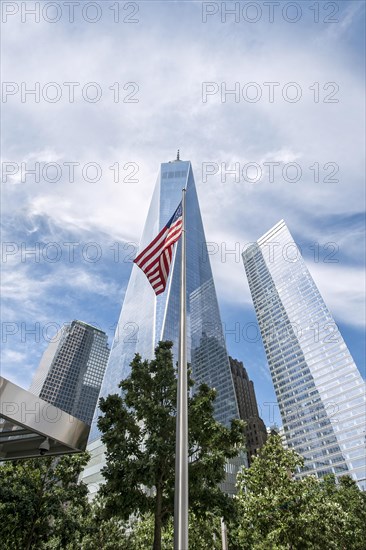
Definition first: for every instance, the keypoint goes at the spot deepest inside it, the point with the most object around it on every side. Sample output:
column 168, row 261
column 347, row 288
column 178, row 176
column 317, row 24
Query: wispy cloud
column 169, row 54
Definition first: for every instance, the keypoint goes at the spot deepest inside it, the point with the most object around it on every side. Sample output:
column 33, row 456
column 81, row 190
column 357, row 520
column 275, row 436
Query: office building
column 320, row 392
column 255, row 431
column 71, row 370
column 145, row 318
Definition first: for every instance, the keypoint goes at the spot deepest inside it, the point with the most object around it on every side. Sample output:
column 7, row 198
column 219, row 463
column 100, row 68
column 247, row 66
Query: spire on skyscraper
column 153, row 318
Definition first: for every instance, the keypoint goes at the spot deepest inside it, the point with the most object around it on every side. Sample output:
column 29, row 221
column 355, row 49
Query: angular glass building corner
column 71, row 370
column 320, row 392
column 145, row 319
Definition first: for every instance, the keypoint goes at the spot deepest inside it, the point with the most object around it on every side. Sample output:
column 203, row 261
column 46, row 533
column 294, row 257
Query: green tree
column 204, row 533
column 104, row 533
column 138, row 532
column 41, row 502
column 277, row 511
column 139, row 433
column 352, row 503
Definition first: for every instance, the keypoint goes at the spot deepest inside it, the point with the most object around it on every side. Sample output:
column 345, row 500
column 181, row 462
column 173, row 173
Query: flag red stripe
column 150, row 259
column 156, row 258
column 148, row 255
column 152, row 247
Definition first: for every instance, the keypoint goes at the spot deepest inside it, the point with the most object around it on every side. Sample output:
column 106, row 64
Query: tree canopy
column 278, row 511
column 41, row 500
column 43, row 506
column 138, row 430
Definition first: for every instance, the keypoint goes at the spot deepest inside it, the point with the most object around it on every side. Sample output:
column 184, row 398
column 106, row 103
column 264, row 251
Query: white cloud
column 169, row 54
column 21, row 286
column 343, row 290
column 12, row 356
column 170, row 113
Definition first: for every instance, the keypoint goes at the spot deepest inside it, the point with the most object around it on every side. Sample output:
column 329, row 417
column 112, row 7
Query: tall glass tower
column 319, row 389
column 145, row 319
column 71, row 370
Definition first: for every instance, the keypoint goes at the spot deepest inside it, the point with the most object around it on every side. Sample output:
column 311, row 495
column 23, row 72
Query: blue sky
column 165, row 61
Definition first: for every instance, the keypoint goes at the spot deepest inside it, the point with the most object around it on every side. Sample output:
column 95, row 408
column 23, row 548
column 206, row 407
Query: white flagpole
column 181, row 442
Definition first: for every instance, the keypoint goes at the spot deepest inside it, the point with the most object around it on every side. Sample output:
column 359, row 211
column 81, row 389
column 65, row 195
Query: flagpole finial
column 178, row 158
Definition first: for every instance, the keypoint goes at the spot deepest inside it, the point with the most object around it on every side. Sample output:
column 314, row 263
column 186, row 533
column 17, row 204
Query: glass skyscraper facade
column 320, row 392
column 71, row 370
column 145, row 319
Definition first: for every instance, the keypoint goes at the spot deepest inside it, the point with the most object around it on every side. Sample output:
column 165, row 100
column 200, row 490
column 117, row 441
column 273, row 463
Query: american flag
column 156, row 258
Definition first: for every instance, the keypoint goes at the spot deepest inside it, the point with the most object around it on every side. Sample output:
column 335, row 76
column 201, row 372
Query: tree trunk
column 157, row 524
column 29, row 538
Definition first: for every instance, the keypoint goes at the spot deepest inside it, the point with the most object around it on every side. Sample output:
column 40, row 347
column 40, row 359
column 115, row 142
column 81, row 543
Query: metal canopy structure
column 30, row 427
